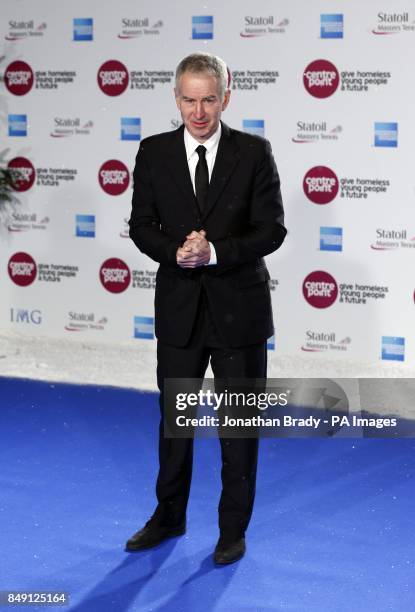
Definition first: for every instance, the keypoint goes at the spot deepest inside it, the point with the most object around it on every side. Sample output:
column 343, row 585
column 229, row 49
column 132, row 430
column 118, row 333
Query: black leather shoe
column 152, row 534
column 229, row 552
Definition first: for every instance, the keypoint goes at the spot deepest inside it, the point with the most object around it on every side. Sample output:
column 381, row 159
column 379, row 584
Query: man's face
column 200, row 105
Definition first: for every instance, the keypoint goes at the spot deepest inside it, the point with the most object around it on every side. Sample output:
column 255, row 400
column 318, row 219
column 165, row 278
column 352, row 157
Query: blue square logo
column 17, row 125
column 130, row 128
column 271, row 343
column 393, row 348
column 331, row 238
column 386, row 134
column 83, row 29
column 331, row 26
column 202, row 27
column 85, row 226
column 254, row 126
column 144, row 328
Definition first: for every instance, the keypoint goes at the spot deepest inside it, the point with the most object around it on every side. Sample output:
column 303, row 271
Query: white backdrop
column 330, row 90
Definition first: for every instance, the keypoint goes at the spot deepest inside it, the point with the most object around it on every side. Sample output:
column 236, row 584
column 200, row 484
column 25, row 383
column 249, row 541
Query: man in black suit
column 207, row 207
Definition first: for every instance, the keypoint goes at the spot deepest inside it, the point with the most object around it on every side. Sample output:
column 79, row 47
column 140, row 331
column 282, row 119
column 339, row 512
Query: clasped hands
column 195, row 251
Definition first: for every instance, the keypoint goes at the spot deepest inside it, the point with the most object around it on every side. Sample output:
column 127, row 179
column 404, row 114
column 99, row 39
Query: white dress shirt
column 211, row 146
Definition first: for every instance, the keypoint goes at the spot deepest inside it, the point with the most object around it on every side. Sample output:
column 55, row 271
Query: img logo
column 321, row 78
column 331, row 26
column 202, row 27
column 113, row 176
column 24, row 174
column 83, row 29
column 393, row 348
column 320, row 289
column 18, row 78
column 144, row 328
column 386, row 135
column 22, row 269
column 17, row 125
column 113, row 78
column 254, row 126
column 320, row 185
column 271, row 343
column 22, row 315
column 115, row 275
column 331, row 238
column 130, row 128
column 85, row 226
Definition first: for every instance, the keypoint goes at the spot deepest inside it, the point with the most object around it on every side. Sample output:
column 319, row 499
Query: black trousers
column 239, row 456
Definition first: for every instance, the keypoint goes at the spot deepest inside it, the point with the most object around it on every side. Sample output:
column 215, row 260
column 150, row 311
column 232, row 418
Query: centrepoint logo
column 23, row 172
column 18, row 78
column 113, row 177
column 22, row 269
column 320, row 185
column 115, row 275
column 320, row 289
column 321, row 78
column 113, row 78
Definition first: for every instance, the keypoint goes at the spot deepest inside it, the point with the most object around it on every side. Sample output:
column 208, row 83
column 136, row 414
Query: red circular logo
column 22, row 269
column 114, row 177
column 320, row 289
column 18, row 78
column 321, row 78
column 115, row 275
column 23, row 172
column 320, row 185
column 113, row 78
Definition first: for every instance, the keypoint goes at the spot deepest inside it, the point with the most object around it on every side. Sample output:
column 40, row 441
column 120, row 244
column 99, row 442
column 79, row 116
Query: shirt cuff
column 213, row 259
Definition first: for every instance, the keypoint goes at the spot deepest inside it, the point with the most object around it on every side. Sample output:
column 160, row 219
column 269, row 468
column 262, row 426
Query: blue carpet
column 332, row 530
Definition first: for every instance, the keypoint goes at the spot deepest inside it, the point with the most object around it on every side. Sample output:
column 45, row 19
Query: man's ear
column 177, row 97
column 226, row 99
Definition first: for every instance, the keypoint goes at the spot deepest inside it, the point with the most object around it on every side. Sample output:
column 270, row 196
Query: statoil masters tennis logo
column 394, row 23
column 113, row 78
column 320, row 289
column 113, row 177
column 18, row 78
column 115, row 275
column 22, row 269
column 23, row 172
column 320, row 185
column 321, row 78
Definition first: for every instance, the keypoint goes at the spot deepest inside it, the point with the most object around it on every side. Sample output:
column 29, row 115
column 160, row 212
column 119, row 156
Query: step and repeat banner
column 330, row 85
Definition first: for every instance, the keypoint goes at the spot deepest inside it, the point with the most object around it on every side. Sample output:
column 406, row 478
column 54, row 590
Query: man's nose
column 199, row 111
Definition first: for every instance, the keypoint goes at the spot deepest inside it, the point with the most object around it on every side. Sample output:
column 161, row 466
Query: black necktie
column 201, row 177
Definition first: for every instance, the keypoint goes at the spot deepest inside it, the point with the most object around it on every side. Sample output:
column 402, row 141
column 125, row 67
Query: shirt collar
column 191, row 143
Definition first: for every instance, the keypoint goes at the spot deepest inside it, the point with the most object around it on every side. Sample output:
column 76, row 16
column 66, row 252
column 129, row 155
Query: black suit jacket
column 243, row 219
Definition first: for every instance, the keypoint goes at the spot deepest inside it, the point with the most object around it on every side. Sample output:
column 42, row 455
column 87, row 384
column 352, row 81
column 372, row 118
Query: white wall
column 375, row 40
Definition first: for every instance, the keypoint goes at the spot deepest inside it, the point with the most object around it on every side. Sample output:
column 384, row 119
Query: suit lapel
column 227, row 158
column 179, row 168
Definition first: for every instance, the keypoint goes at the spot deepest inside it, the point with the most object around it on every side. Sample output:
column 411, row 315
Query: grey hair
column 204, row 63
